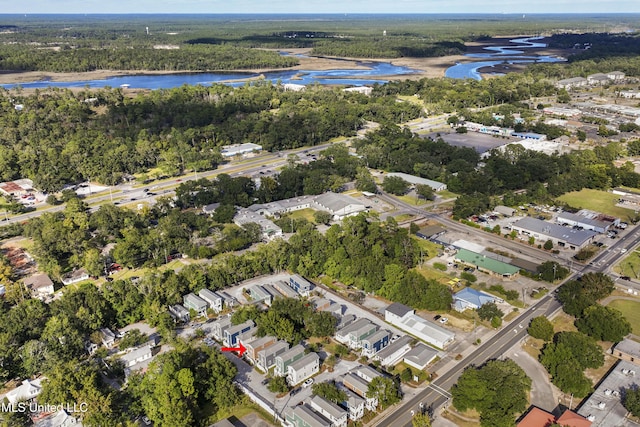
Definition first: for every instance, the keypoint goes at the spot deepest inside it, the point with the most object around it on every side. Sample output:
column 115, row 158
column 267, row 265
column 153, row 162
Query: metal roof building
column 235, row 150
column 485, row 263
column 559, row 235
column 416, row 180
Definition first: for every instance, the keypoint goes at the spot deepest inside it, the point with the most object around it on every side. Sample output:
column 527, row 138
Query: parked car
column 307, row 383
column 625, row 277
column 444, row 319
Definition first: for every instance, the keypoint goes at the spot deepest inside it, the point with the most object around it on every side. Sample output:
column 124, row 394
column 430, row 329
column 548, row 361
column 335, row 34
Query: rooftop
column 412, row 179
column 629, row 347
column 486, row 263
column 604, row 406
column 569, row 235
column 360, row 385
column 306, row 360
column 355, row 326
column 310, row 417
column 275, row 348
column 537, row 417
column 421, row 354
column 571, row 419
column 394, row 347
column 136, row 354
column 331, row 408
column 474, row 297
column 417, row 324
column 37, row 281
column 398, row 309
column 335, row 202
column 583, row 220
column 292, row 352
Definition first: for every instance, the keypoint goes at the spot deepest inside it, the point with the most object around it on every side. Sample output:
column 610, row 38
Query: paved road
column 437, row 393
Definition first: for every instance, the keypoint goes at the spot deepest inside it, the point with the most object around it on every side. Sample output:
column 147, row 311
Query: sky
column 319, row 6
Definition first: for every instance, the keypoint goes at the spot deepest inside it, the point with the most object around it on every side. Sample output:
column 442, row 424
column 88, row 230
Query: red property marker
column 240, row 349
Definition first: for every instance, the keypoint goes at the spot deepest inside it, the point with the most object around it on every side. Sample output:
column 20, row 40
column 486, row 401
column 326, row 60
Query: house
column 391, row 354
column 136, row 356
column 360, row 328
column 559, row 235
column 192, row 301
column 214, row 300
column 229, row 301
column 293, row 87
column 219, row 327
column 267, row 356
column 256, row 345
column 286, row 290
column 75, row 276
column 345, row 320
column 303, row 368
column 239, row 149
column 367, row 373
column 628, row 350
column 420, row 356
column 485, row 263
column 365, row 90
column 504, row 210
column 469, row 298
column 597, row 79
column 355, row 405
column 430, row 232
column 58, row 419
column 108, row 337
column 321, row 304
column 416, row 180
column 536, row 417
column 16, row 188
column 375, row 342
column 39, row 284
column 304, row 416
column 232, row 334
column 300, row 285
column 360, row 387
column 329, row 410
column 179, row 313
column 26, row 391
column 286, row 358
column 339, row 206
column 260, row 294
column 405, row 318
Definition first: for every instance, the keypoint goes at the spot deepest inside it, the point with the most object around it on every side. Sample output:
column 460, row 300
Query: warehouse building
column 559, row 235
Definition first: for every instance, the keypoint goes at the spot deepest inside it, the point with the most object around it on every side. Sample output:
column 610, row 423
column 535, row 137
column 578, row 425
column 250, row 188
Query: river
column 376, row 72
column 501, row 54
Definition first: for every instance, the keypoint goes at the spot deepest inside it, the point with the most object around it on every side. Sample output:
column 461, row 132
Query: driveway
column 542, row 392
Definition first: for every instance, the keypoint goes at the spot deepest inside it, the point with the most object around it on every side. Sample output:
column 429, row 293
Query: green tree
column 278, row 385
column 604, row 323
column 224, row 214
column 551, row 271
column 488, row 311
column 322, row 217
column 548, row 245
column 421, row 420
column 386, row 390
column 364, row 180
column 395, row 185
column 541, row 328
column 330, row 391
column 425, row 191
column 631, row 400
column 498, row 390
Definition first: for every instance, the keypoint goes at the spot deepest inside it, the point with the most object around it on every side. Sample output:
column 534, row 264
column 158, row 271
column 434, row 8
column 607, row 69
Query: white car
column 444, row 319
column 307, row 383
column 623, row 251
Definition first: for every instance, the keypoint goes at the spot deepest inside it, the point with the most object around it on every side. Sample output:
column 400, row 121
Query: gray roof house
column 286, row 290
column 179, row 313
column 286, row 358
column 39, row 284
column 300, row 285
column 330, row 410
column 355, row 405
column 360, row 328
column 304, row 416
column 193, row 302
column 360, row 387
column 339, row 205
column 220, row 326
column 303, row 368
column 214, row 300
column 267, row 357
column 232, row 334
column 393, row 353
column 375, row 342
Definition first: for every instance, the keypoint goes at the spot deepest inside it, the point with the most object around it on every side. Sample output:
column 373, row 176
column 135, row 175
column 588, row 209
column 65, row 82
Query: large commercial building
column 559, row 235
column 485, row 263
column 239, row 149
column 588, row 220
column 405, row 318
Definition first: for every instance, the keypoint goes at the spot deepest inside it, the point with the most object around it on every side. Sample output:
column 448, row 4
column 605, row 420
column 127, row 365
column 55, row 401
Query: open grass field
column 629, row 266
column 430, row 249
column 630, row 310
column 596, row 200
column 303, row 213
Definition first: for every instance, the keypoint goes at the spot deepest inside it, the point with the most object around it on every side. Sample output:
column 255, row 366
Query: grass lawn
column 403, row 217
column 597, row 200
column 446, row 194
column 303, row 213
column 433, row 274
column 411, row 200
column 429, row 248
column 563, row 322
column 629, row 266
column 630, row 310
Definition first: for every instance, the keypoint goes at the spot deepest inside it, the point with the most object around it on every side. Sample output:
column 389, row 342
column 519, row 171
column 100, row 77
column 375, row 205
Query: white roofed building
column 416, row 180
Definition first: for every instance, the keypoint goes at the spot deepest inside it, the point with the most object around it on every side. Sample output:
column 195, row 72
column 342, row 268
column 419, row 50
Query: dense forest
column 60, row 137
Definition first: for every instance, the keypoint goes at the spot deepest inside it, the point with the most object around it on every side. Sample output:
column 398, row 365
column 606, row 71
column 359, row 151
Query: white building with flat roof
column 416, row 180
column 239, row 149
column 405, row 318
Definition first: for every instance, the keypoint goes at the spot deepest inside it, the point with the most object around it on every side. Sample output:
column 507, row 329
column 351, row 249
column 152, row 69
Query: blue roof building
column 469, row 298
